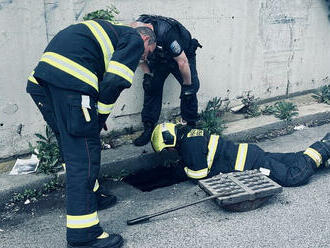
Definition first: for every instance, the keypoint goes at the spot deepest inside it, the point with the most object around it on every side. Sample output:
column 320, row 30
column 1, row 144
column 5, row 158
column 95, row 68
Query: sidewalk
column 128, row 159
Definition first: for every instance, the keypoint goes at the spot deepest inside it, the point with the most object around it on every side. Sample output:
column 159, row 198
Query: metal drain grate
column 239, row 187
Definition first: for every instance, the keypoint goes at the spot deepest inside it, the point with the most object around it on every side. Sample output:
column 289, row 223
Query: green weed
column 285, row 110
column 323, row 94
column 210, row 118
column 108, row 14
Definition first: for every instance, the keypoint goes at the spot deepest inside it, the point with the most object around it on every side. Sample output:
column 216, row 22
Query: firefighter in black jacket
column 104, row 198
column 83, row 71
column 206, row 155
column 175, row 53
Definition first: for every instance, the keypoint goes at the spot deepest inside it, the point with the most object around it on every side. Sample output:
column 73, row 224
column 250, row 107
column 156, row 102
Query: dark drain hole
column 157, row 177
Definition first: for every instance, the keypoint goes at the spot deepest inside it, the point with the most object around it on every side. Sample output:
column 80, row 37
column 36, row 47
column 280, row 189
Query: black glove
column 147, row 82
column 187, row 92
column 102, row 121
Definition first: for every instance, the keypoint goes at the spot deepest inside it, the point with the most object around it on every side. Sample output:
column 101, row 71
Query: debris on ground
column 300, row 127
column 25, row 166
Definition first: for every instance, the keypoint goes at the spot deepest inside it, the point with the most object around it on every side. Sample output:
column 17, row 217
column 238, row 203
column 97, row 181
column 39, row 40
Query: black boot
column 326, row 142
column 145, row 137
column 105, row 201
column 103, row 241
column 104, row 198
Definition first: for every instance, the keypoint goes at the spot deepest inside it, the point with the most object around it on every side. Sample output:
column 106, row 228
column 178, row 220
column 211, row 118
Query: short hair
column 147, row 32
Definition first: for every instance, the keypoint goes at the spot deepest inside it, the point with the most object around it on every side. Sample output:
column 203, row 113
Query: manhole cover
column 241, row 191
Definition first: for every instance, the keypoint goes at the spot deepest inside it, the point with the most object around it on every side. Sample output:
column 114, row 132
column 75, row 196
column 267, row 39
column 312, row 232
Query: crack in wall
column 79, row 10
column 49, row 6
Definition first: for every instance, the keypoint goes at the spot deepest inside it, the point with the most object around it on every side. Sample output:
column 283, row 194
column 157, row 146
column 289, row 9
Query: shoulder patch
column 175, row 47
column 195, row 133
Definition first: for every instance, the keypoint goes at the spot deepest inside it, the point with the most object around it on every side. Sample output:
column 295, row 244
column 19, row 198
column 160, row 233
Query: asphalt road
column 297, row 217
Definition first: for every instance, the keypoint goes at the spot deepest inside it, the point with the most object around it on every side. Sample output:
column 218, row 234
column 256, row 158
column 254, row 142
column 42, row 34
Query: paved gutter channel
column 128, row 159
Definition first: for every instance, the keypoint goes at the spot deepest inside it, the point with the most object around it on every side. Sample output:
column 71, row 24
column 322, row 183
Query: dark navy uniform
column 83, row 70
column 206, row 155
column 172, row 39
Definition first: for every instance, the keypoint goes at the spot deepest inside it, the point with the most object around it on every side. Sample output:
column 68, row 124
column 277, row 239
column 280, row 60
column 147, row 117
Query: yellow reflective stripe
column 121, row 70
column 96, row 185
column 196, row 174
column 241, row 157
column 71, row 68
column 213, row 144
column 32, row 78
column 82, row 221
column 315, row 155
column 104, row 108
column 103, row 40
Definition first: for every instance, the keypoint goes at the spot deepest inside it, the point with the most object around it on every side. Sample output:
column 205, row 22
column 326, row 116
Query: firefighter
column 206, row 155
column 82, row 71
column 104, row 198
column 175, row 53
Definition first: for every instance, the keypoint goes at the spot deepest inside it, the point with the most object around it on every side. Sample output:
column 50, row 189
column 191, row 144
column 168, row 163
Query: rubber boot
column 145, row 137
column 326, row 142
column 105, row 240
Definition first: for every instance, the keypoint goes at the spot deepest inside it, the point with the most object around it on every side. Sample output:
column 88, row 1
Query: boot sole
column 118, row 245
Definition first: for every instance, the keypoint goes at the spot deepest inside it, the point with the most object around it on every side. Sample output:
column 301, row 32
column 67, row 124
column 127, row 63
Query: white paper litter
column 300, row 127
column 25, row 166
column 237, row 108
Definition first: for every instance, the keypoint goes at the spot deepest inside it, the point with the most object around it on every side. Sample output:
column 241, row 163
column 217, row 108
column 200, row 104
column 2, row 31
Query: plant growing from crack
column 52, row 185
column 251, row 108
column 109, row 14
column 47, row 152
column 323, row 94
column 285, row 111
column 210, row 118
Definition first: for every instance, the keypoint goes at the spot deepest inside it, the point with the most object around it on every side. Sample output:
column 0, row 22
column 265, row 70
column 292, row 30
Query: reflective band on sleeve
column 82, row 221
column 213, row 144
column 315, row 155
column 104, row 108
column 103, row 40
column 241, row 157
column 71, row 68
column 96, row 186
column 121, row 70
column 196, row 174
column 32, row 78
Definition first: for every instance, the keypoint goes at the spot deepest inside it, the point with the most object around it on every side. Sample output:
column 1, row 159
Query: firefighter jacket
column 94, row 57
column 172, row 36
column 205, row 155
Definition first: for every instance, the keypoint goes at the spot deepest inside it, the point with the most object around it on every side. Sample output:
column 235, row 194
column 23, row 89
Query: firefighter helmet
column 163, row 136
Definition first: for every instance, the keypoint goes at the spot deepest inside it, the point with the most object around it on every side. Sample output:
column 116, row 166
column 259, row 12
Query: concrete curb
column 128, row 159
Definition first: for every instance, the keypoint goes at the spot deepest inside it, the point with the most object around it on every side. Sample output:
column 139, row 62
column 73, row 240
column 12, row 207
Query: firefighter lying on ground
column 82, row 72
column 176, row 54
column 206, row 155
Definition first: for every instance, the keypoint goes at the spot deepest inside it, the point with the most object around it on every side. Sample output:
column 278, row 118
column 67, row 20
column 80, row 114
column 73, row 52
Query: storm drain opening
column 147, row 180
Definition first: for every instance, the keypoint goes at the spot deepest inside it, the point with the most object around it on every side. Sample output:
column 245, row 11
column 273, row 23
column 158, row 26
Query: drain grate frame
column 240, row 187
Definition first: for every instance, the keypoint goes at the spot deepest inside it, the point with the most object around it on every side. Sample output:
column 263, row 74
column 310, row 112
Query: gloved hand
column 187, row 92
column 147, row 82
column 102, row 121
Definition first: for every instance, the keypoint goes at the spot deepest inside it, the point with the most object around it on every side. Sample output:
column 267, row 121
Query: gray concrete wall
column 271, row 47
